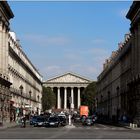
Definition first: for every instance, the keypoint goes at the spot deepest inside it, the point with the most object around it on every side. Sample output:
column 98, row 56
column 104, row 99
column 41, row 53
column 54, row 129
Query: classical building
column 26, row 88
column 112, row 84
column 5, row 15
column 119, row 83
column 67, row 88
column 20, row 82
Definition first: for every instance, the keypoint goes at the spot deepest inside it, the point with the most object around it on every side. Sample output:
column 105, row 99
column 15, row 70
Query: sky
column 69, row 36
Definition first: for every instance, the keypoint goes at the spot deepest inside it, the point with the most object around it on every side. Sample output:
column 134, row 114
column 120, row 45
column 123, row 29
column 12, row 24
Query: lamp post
column 30, row 94
column 21, row 108
column 69, row 118
column 2, row 106
column 21, row 89
column 38, row 99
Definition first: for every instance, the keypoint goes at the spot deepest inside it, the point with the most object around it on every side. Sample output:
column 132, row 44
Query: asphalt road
column 79, row 132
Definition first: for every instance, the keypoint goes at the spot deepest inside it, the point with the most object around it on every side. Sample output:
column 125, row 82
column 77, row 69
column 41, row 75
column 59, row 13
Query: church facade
column 68, row 89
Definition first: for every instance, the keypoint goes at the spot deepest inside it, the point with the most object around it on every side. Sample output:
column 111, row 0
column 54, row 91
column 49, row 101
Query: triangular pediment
column 68, row 78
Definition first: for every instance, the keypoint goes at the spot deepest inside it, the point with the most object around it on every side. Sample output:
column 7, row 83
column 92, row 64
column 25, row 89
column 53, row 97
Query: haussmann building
column 20, row 82
column 118, row 85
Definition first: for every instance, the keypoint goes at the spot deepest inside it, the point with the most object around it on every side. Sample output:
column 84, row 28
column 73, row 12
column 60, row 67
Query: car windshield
column 89, row 118
column 34, row 118
column 53, row 119
column 61, row 118
column 40, row 119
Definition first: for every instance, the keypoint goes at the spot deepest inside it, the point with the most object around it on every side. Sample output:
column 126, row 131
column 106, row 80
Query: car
column 33, row 119
column 94, row 118
column 40, row 121
column 88, row 121
column 62, row 120
column 77, row 118
column 53, row 121
column 83, row 118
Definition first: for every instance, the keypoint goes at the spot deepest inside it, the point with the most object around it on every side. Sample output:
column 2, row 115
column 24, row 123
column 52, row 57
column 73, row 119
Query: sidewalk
column 121, row 124
column 8, row 125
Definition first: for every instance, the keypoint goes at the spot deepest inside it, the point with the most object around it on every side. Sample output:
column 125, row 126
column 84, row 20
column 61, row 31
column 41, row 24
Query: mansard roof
column 7, row 9
column 133, row 9
column 69, row 77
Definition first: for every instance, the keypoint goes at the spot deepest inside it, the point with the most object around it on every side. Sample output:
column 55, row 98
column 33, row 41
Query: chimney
column 120, row 45
column 126, row 37
column 18, row 42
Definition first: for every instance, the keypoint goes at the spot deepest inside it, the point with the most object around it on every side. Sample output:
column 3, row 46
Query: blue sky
column 60, row 37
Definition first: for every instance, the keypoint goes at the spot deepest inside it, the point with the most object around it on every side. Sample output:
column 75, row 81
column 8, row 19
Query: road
column 79, row 132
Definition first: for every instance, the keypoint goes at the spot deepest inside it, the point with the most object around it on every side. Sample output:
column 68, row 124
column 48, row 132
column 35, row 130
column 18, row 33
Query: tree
column 88, row 96
column 48, row 98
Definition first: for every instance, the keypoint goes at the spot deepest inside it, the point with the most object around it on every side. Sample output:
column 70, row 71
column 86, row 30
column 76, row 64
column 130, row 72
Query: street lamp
column 30, row 92
column 70, row 113
column 38, row 98
column 70, row 101
column 2, row 106
column 21, row 89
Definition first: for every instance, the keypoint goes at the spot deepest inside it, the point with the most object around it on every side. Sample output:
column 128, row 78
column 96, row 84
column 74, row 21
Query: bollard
column 131, row 125
column 69, row 119
column 136, row 125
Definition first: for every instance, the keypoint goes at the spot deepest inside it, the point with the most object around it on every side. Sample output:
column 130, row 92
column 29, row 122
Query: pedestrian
column 124, row 118
column 24, row 121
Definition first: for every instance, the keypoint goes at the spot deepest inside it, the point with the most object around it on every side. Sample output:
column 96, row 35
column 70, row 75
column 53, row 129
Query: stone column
column 138, row 48
column 72, row 103
column 65, row 98
column 58, row 98
column 1, row 47
column 5, row 52
column 79, row 99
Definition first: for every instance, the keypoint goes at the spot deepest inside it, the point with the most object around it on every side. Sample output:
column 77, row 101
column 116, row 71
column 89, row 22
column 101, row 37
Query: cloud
column 87, row 62
column 44, row 40
column 73, row 56
column 89, row 71
column 98, row 41
column 52, row 70
column 123, row 12
column 99, row 51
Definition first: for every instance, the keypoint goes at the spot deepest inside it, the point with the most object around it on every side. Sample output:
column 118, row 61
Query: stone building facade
column 26, row 88
column 20, row 82
column 5, row 15
column 118, row 85
column 67, row 88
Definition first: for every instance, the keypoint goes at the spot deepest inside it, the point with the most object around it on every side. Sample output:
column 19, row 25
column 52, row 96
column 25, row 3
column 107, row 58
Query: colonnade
column 68, row 97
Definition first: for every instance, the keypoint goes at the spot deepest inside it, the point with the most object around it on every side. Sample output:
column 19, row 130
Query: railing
column 22, row 94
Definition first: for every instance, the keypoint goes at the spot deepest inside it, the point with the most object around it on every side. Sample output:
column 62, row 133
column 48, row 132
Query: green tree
column 48, row 98
column 88, row 96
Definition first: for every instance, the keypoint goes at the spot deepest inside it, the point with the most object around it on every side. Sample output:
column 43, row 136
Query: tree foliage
column 88, row 96
column 48, row 98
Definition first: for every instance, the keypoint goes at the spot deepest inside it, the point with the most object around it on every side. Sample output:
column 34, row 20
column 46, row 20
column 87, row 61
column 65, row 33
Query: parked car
column 53, row 121
column 83, row 118
column 77, row 118
column 33, row 119
column 88, row 121
column 94, row 118
column 40, row 121
column 62, row 120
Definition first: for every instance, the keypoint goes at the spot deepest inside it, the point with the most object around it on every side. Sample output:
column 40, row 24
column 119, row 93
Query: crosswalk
column 80, row 126
column 101, row 127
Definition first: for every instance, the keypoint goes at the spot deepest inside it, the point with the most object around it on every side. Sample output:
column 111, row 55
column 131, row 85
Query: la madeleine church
column 67, row 88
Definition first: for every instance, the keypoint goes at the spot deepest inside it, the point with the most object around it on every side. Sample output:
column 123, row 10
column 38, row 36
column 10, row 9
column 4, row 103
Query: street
column 79, row 132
